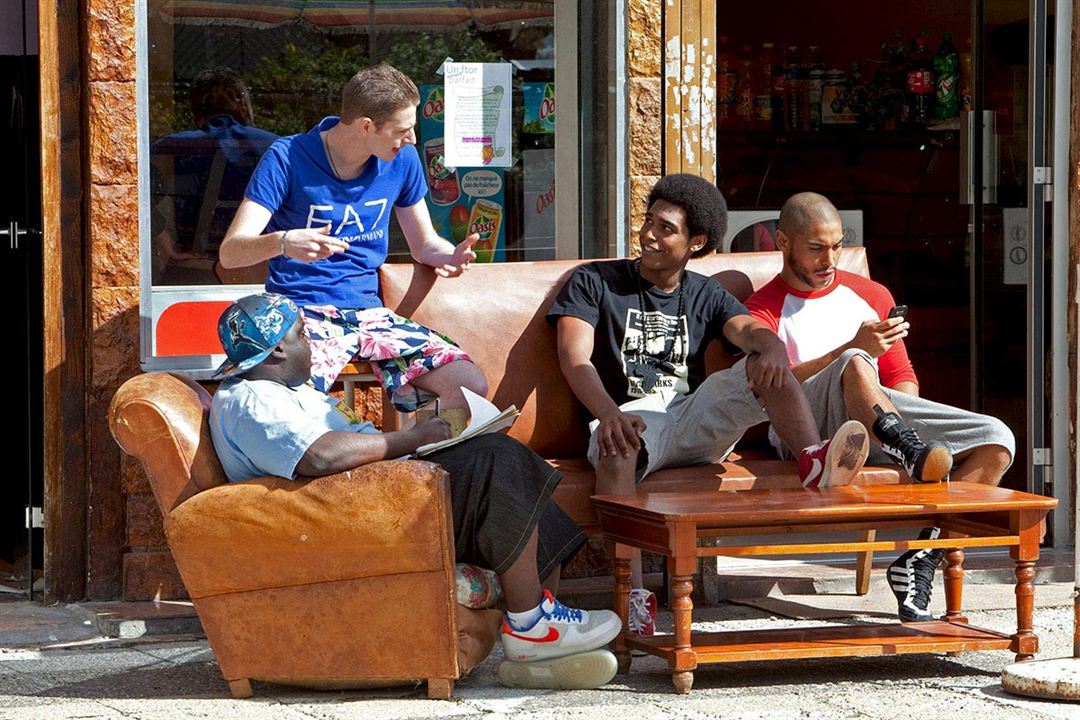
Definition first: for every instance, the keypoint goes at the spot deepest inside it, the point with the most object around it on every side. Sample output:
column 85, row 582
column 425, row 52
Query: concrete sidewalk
column 97, row 678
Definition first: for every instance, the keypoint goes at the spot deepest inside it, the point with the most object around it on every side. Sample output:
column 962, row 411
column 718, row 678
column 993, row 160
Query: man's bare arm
column 337, row 452
column 753, row 337
column 246, row 244
column 427, row 247
column 873, row 337
column 618, row 431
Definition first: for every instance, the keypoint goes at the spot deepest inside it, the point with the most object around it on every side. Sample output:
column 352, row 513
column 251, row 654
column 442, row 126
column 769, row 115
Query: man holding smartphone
column 845, row 340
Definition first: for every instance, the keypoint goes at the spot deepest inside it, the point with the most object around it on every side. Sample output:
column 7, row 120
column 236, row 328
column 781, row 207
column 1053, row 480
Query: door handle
column 13, row 232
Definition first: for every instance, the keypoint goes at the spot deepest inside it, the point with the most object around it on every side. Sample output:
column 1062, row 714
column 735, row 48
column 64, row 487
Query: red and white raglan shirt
column 812, row 324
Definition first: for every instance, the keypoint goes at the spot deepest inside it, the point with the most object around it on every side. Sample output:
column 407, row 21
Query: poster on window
column 538, row 179
column 477, row 109
column 539, row 101
column 462, row 200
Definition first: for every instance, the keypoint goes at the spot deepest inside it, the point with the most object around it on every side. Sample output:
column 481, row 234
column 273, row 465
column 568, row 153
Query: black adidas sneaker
column 911, row 577
column 924, row 462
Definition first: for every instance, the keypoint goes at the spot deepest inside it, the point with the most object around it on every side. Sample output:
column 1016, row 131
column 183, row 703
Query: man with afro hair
column 631, row 339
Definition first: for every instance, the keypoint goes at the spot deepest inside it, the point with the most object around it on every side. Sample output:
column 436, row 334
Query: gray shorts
column 693, row 429
column 960, row 430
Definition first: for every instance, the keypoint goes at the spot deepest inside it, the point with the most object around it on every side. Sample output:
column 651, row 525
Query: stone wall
column 117, row 487
column 644, row 37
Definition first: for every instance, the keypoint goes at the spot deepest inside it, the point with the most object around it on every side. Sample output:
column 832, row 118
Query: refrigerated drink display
column 763, row 101
column 946, row 80
column 920, row 83
column 815, row 87
column 835, row 110
column 744, row 108
column 727, row 84
column 792, row 89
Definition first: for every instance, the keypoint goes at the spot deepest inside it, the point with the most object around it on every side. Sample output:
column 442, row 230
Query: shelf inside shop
column 845, row 135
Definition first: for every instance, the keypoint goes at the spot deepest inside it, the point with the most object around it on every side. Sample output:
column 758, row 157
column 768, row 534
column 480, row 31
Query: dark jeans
column 500, row 490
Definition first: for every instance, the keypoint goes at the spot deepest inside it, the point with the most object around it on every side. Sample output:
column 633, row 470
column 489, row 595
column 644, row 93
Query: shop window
column 220, row 81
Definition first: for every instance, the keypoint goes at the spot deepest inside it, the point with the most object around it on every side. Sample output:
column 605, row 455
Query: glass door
column 830, row 97
column 950, row 197
column 1006, row 150
column 21, row 498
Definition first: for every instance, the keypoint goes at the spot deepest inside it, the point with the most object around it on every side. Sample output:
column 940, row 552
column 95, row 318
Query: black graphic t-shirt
column 644, row 350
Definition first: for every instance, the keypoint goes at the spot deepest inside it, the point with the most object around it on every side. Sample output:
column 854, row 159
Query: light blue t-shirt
column 261, row 427
column 295, row 182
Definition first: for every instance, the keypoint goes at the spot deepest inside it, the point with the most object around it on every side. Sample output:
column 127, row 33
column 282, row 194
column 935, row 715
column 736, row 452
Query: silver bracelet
column 283, row 236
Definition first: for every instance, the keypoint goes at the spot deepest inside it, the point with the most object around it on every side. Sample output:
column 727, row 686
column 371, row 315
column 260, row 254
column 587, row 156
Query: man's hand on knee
column 619, row 433
column 768, row 369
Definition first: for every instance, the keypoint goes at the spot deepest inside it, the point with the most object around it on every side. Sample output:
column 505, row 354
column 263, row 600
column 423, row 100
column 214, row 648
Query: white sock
column 525, row 619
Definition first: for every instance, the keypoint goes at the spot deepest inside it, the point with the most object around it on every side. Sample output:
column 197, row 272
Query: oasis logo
column 433, row 108
column 544, row 200
column 547, row 105
column 483, row 227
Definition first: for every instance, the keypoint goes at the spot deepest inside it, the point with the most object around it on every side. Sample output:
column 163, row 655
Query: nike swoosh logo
column 814, row 478
column 552, row 636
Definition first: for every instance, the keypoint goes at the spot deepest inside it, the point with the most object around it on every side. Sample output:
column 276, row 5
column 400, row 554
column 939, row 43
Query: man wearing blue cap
column 267, row 420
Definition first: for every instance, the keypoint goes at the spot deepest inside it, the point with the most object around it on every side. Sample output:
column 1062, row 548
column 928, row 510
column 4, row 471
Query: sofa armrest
column 385, row 518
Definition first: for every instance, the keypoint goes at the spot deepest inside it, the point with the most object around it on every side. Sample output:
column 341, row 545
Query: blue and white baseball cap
column 251, row 328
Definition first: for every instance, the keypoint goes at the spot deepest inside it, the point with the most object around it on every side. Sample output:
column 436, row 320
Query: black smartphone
column 897, row 311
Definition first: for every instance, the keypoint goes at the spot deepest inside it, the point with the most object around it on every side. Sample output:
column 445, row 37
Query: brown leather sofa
column 345, row 581
column 496, row 313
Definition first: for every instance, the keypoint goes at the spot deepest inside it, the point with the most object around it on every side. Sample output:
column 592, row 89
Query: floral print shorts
column 398, row 349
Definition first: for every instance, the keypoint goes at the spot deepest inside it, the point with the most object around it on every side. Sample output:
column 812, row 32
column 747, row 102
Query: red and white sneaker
column 642, row 620
column 838, row 459
column 559, row 632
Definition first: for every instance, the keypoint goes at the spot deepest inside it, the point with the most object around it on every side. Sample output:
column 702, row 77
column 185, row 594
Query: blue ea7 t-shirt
column 295, row 182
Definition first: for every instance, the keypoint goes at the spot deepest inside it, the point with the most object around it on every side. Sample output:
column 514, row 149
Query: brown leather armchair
column 343, row 581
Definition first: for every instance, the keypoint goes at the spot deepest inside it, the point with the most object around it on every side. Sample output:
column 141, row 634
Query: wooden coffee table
column 969, row 515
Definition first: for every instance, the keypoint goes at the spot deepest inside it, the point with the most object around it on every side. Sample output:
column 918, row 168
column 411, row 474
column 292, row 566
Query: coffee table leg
column 954, row 585
column 622, row 554
column 682, row 585
column 1026, row 524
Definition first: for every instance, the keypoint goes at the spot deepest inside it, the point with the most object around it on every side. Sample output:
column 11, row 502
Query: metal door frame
column 1059, row 291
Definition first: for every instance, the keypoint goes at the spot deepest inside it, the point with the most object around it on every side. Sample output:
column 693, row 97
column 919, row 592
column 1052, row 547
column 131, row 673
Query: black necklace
column 640, row 301
column 647, row 368
column 326, row 147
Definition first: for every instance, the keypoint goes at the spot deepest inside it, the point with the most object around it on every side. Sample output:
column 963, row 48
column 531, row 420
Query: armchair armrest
column 385, row 518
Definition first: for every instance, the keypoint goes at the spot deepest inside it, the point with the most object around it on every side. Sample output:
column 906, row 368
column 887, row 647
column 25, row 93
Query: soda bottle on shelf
column 792, row 87
column 727, row 83
column 763, row 100
column 744, row 108
column 897, row 53
column 779, row 94
column 920, row 83
column 946, row 80
column 815, row 86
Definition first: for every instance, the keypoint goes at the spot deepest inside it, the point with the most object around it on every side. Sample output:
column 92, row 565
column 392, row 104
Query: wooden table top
column 759, row 507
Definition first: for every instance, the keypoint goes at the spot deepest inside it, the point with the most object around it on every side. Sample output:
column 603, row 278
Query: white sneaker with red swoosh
column 560, row 631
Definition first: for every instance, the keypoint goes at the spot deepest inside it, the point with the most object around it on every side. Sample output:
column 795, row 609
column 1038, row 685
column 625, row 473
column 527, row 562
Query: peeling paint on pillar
column 689, row 66
column 691, row 127
column 673, row 95
column 708, row 110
